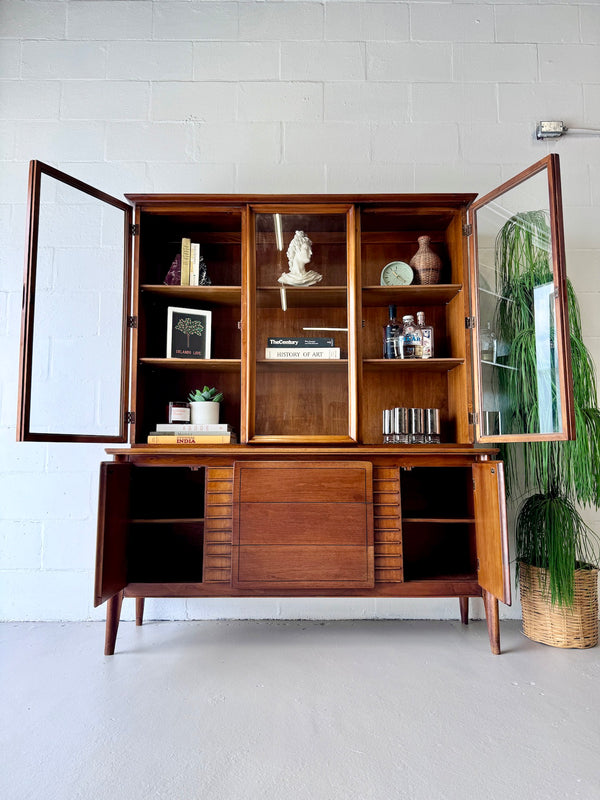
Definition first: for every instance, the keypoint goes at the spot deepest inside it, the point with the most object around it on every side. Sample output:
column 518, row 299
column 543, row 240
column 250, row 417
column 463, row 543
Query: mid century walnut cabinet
column 309, row 502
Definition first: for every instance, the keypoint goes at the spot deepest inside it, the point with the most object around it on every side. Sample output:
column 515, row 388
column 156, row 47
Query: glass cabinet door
column 74, row 342
column 521, row 352
column 300, row 324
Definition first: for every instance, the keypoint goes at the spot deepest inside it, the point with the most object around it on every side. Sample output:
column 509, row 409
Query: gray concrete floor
column 295, row 710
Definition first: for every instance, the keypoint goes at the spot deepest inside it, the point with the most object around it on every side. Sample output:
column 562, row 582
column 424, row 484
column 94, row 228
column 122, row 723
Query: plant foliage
column 550, row 531
column 205, row 395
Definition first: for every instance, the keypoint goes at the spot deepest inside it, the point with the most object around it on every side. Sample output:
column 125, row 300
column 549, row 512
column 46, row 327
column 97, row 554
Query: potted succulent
column 204, row 405
column 557, row 553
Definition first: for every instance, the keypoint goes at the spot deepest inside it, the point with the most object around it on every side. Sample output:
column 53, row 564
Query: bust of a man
column 299, row 254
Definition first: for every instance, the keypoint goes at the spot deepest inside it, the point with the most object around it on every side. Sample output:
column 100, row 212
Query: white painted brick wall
column 204, row 96
column 367, row 21
column 442, row 22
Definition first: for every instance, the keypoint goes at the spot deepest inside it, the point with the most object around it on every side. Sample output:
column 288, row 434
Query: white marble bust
column 299, row 254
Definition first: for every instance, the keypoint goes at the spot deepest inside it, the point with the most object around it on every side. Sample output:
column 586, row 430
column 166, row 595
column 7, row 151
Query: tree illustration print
column 189, row 327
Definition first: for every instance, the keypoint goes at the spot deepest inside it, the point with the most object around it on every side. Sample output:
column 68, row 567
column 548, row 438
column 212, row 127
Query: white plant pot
column 204, row 412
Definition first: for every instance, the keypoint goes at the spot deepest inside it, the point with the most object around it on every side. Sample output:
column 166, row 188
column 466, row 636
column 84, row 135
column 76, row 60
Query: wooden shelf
column 328, row 364
column 437, row 294
column 440, row 520
column 217, row 295
column 418, row 364
column 201, row 364
column 335, row 296
column 168, row 521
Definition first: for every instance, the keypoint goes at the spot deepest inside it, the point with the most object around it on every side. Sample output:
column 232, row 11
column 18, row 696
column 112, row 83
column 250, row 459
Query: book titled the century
column 299, row 341
column 299, row 353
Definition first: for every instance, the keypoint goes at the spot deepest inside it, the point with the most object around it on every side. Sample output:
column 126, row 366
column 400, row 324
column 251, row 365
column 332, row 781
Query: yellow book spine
column 186, row 249
column 191, row 439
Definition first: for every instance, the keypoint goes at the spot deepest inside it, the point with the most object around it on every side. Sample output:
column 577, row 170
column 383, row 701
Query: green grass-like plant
column 559, row 475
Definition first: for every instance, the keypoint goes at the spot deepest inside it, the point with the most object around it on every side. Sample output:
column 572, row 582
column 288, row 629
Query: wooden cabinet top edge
column 323, row 451
column 235, row 202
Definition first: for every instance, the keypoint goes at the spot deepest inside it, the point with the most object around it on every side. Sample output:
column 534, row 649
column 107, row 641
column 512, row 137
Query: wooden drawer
column 314, row 482
column 305, row 566
column 303, row 523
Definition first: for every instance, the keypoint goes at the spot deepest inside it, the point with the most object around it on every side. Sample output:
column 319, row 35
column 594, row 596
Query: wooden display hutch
column 310, row 502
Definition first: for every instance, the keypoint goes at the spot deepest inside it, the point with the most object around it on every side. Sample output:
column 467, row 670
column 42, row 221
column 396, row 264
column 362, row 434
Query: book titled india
column 191, row 438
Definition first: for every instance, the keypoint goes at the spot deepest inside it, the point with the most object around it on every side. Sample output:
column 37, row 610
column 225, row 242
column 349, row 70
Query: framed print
column 188, row 333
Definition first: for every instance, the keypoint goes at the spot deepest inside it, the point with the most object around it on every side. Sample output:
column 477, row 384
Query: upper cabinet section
column 521, row 346
column 74, row 357
column 283, row 304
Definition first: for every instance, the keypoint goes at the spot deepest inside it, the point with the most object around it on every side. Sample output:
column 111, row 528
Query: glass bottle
column 427, row 333
column 412, row 339
column 488, row 344
column 388, row 435
column 391, row 336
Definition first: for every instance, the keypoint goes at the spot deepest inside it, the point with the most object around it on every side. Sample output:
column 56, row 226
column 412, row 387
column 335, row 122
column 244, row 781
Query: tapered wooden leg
column 493, row 621
column 113, row 615
column 464, row 610
column 139, row 610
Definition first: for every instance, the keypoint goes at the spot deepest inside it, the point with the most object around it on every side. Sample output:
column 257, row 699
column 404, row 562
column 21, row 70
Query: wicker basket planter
column 559, row 626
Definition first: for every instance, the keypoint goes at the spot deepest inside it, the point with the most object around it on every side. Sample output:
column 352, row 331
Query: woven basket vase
column 425, row 263
column 559, row 626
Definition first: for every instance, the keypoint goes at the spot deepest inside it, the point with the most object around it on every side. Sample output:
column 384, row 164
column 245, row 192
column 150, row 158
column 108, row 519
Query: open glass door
column 522, row 357
column 74, row 340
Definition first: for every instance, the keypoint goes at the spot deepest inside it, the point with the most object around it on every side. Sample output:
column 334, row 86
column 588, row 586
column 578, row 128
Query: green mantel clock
column 396, row 273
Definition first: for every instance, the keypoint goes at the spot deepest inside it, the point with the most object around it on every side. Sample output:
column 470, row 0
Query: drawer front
column 302, row 566
column 316, row 482
column 303, row 525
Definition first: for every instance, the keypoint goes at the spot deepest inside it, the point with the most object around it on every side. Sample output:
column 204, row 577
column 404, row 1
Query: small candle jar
column 179, row 412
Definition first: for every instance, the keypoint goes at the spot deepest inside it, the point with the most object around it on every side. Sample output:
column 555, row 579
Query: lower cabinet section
column 373, row 525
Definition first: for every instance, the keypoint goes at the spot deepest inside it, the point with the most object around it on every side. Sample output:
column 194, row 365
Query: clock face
column 396, row 273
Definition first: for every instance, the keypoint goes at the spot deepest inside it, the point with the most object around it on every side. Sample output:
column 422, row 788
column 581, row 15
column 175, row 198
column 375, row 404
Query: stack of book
column 301, row 347
column 190, row 262
column 190, row 433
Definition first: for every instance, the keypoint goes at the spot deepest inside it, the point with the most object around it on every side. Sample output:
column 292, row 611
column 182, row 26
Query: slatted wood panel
column 218, row 527
column 388, row 533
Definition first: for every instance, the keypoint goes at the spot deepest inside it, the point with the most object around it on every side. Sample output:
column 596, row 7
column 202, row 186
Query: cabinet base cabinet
column 301, row 522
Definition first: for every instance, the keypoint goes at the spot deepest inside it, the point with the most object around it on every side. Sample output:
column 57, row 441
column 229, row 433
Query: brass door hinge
column 129, row 417
column 467, row 229
column 134, row 229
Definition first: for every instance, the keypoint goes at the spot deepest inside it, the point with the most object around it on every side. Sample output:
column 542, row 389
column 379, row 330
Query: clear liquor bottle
column 412, row 339
column 427, row 333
